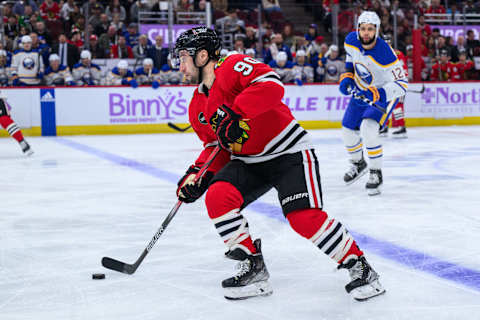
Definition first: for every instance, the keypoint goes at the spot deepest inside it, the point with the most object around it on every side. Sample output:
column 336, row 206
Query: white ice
column 65, row 208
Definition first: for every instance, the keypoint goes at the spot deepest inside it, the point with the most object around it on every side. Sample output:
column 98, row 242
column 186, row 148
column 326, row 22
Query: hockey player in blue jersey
column 374, row 72
column 148, row 74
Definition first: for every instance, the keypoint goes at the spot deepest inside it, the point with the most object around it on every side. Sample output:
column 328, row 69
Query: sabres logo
column 363, row 73
column 28, row 63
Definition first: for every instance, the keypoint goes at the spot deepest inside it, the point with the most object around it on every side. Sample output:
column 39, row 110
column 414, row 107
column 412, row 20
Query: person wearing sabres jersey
column 374, row 72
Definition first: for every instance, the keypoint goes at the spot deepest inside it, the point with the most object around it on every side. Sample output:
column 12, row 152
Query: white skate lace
column 243, row 268
column 356, row 272
column 353, row 171
column 373, row 178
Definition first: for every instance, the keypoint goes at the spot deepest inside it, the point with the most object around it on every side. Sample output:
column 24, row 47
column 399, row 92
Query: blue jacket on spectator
column 268, row 57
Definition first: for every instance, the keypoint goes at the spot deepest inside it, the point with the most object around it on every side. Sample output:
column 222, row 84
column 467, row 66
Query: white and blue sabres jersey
column 378, row 67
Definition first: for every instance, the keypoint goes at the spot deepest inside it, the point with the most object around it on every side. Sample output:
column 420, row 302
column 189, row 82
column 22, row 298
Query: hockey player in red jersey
column 444, row 70
column 241, row 100
column 12, row 128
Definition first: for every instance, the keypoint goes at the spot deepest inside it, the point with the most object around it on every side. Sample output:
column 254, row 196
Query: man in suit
column 67, row 52
column 158, row 53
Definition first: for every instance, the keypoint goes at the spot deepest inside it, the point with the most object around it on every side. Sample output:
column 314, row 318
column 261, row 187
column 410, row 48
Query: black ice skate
column 357, row 170
column 252, row 278
column 374, row 182
column 383, row 132
column 401, row 133
column 364, row 284
column 26, row 148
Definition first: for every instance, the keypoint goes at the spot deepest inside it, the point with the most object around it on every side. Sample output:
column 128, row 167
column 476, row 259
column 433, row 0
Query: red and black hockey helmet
column 199, row 38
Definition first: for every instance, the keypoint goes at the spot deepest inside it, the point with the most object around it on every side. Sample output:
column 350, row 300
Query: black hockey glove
column 188, row 191
column 229, row 127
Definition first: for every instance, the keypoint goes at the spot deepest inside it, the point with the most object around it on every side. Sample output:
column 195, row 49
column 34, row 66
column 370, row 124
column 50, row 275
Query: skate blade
column 368, row 291
column 383, row 135
column 374, row 192
column 399, row 136
column 28, row 153
column 358, row 177
column 257, row 289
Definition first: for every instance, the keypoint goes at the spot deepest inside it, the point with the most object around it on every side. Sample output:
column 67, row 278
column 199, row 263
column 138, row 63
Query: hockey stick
column 386, row 111
column 119, row 266
column 418, row 91
column 175, row 127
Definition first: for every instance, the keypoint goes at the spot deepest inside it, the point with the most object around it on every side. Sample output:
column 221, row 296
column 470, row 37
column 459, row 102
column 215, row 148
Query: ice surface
column 84, row 197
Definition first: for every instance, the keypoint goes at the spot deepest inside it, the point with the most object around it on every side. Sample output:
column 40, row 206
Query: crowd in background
column 44, row 44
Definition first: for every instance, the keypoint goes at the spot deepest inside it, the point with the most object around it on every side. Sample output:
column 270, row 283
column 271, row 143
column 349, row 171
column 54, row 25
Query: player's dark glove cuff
column 187, row 190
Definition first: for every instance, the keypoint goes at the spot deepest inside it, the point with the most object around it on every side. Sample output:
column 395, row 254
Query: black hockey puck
column 98, row 276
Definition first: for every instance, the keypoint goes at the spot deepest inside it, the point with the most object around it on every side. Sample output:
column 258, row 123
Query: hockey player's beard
column 366, row 43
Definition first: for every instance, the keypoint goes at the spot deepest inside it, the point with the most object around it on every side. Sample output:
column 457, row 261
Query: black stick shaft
column 123, row 267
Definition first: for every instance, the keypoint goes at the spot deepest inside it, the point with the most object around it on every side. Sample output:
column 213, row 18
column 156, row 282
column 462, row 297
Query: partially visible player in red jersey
column 398, row 113
column 444, row 70
column 269, row 149
column 12, row 128
column 464, row 66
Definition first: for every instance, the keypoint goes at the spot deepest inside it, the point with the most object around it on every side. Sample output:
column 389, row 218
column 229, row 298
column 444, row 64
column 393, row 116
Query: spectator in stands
column 288, row 36
column 68, row 8
column 250, row 39
column 86, row 73
column 312, row 32
column 267, row 33
column 23, row 31
column 116, row 7
column 251, row 53
column 10, row 29
column 79, row 24
column 158, row 53
column 183, row 6
column 4, row 68
column 436, row 7
column 42, row 31
column 19, row 7
column 276, row 47
column 95, row 19
column 223, row 53
column 50, row 10
column 426, row 30
column 238, row 46
column 333, row 65
column 141, row 5
column 132, row 34
column 57, row 74
column 283, row 67
column 271, row 6
column 91, row 5
column 148, row 74
column 40, row 46
column 95, row 50
column 102, row 26
column 67, row 52
column 313, row 51
column 302, row 71
column 77, row 39
column 299, row 43
column 118, row 23
column 230, row 23
column 472, row 43
column 120, row 75
column 26, row 18
column 121, row 50
column 107, row 40
column 142, row 49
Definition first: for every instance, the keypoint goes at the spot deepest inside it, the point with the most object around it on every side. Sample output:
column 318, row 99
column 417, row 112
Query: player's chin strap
column 200, row 76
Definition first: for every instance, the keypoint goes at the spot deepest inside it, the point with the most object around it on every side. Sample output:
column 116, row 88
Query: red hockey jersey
column 196, row 116
column 253, row 90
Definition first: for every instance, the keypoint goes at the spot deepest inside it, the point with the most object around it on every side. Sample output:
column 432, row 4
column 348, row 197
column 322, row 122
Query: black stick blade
column 116, row 265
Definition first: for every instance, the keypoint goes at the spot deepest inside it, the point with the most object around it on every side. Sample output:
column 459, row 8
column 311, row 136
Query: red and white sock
column 329, row 235
column 12, row 128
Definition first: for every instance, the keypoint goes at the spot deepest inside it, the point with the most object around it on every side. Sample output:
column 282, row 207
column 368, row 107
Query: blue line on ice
column 408, row 257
